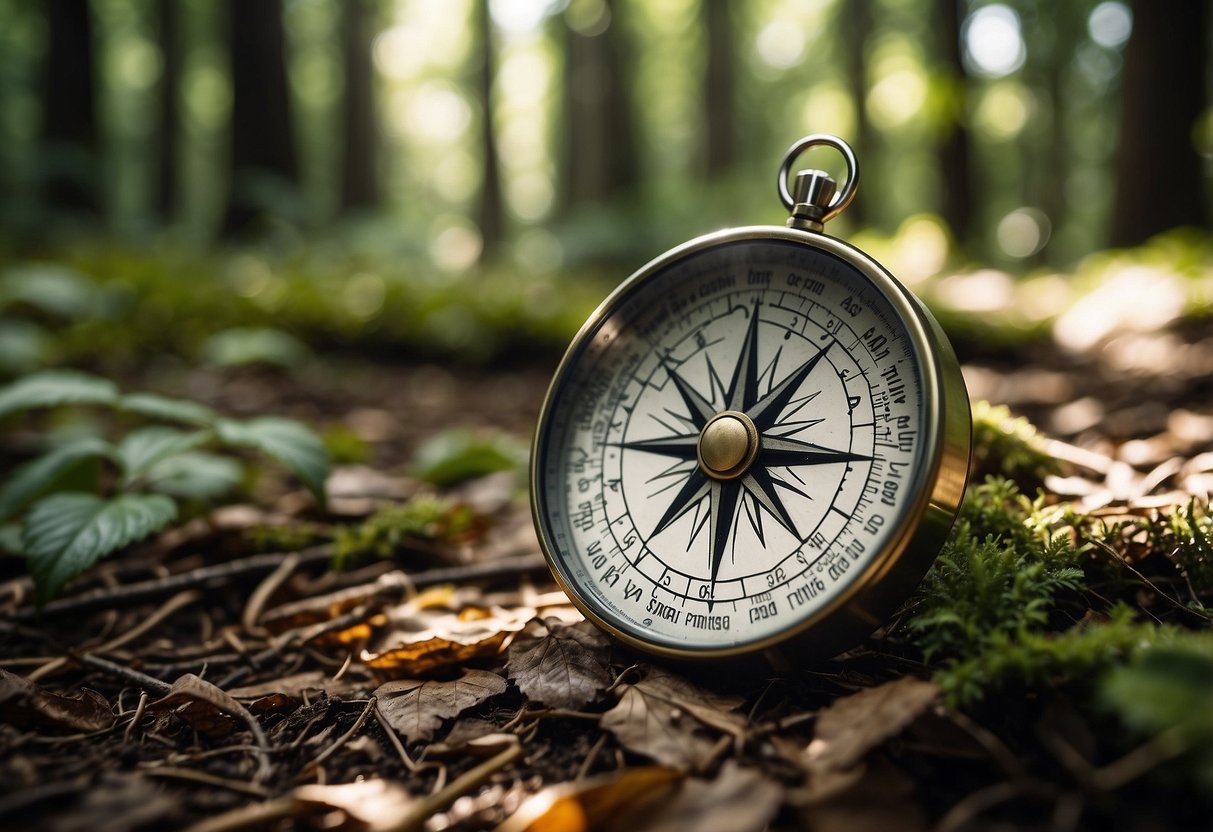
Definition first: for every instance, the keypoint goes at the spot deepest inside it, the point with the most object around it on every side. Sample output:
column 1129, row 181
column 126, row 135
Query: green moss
column 1008, row 444
column 384, row 533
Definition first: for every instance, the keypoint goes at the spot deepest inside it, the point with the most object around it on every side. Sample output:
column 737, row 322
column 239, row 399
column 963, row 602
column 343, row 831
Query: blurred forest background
column 390, row 159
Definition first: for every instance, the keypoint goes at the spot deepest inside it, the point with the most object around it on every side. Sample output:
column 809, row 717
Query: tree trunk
column 491, row 213
column 720, row 138
column 168, row 181
column 856, row 24
column 71, row 164
column 600, row 143
column 955, row 167
column 1159, row 181
column 263, row 161
column 359, row 177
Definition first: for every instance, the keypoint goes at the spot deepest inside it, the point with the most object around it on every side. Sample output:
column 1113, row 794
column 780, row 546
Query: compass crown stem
column 812, row 193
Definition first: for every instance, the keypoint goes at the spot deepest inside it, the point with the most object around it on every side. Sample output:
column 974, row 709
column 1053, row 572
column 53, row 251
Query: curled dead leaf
column 560, row 665
column 671, row 720
column 23, row 702
column 852, row 726
column 415, row 708
column 429, row 641
column 618, row 800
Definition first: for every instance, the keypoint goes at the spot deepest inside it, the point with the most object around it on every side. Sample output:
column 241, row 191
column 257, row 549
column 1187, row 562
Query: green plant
column 424, row 517
column 87, row 497
column 1009, row 444
column 454, row 456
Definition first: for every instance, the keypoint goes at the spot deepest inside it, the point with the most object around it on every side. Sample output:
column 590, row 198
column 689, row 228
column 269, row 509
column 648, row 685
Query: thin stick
column 126, row 736
column 256, row 602
column 177, row 773
column 395, row 741
column 423, row 809
column 136, row 678
column 348, row 735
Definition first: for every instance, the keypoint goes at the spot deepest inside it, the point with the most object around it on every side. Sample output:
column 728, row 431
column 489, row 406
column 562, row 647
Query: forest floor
column 223, row 677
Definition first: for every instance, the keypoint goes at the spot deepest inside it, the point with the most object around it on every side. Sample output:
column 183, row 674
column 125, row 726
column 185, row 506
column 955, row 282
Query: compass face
column 739, row 438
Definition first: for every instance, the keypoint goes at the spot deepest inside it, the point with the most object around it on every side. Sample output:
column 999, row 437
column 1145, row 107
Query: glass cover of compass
column 758, row 442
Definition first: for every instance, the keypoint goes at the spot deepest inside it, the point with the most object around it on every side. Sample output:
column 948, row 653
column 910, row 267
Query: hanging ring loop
column 845, row 194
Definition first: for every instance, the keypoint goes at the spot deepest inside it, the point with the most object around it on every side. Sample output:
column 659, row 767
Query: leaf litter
column 450, row 686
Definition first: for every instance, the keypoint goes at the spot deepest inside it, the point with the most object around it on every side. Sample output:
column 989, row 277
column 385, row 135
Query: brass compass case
column 756, row 444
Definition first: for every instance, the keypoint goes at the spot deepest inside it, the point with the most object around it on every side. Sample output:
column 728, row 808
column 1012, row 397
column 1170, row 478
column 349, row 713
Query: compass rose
column 734, row 449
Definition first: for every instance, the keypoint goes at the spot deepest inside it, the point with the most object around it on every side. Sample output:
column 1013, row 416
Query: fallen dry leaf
column 23, row 702
column 619, row 800
column 429, row 641
column 415, row 708
column 667, row 718
column 872, row 797
column 564, row 667
column 738, row 799
column 852, row 726
column 374, row 805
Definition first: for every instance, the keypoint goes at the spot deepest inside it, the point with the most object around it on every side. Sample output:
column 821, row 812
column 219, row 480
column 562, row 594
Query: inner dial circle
column 733, row 444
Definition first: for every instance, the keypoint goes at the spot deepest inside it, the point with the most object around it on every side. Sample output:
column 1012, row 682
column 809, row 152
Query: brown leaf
column 295, row 685
column 872, row 797
column 620, row 800
column 667, row 718
column 373, row 805
column 852, row 726
column 430, row 641
column 23, row 702
column 737, row 799
column 415, row 708
column 569, row 667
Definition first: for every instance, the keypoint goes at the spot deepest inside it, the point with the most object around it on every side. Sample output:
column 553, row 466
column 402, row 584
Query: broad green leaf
column 243, row 346
column 55, row 290
column 286, row 441
column 457, row 455
column 55, row 387
column 1167, row 687
column 35, row 478
column 140, row 449
column 194, row 475
column 67, row 533
column 168, row 409
column 10, row 538
column 24, row 346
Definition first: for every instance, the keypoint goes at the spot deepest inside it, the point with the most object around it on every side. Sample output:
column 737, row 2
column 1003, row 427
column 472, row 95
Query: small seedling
column 88, row 497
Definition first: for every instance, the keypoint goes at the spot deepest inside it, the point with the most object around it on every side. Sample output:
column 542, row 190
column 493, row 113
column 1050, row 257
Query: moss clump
column 996, row 580
column 1008, row 444
column 384, row 533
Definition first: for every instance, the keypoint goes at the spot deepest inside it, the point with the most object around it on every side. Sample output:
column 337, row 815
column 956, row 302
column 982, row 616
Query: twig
column 204, row 577
column 136, row 678
column 588, row 762
column 347, row 736
column 130, row 727
column 1165, row 746
column 423, row 809
column 256, row 602
column 177, row 773
column 395, row 741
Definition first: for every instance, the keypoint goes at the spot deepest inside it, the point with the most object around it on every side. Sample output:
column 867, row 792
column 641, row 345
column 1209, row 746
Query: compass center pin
column 728, row 445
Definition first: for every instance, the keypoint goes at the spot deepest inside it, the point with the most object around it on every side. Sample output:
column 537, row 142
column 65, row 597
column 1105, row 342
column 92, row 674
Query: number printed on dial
column 735, row 443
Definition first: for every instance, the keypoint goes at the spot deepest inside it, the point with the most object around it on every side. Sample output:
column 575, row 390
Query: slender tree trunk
column 856, row 24
column 601, row 159
column 491, row 213
column 262, row 152
column 168, row 180
column 955, row 166
column 71, row 163
column 720, row 149
column 1159, row 181
column 359, row 177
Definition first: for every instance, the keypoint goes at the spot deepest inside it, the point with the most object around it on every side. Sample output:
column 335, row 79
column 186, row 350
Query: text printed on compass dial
column 813, row 356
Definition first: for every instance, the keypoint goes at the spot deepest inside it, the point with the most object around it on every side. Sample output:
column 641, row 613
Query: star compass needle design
column 734, row 449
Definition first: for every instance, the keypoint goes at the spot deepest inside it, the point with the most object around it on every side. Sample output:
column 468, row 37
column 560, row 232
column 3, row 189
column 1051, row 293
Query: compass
column 756, row 444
